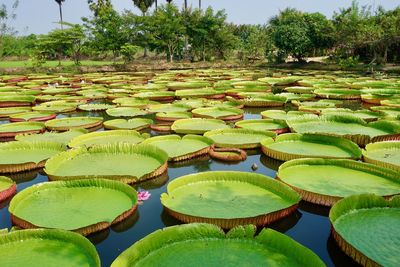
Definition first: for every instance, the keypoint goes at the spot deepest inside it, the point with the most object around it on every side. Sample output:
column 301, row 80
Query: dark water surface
column 309, row 226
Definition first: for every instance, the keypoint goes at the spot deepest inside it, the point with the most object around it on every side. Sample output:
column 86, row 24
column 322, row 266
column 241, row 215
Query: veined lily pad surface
column 12, row 129
column 7, row 188
column 239, row 138
column 57, row 137
column 22, row 156
column 132, row 124
column 181, row 148
column 125, row 162
column 277, row 126
column 66, row 124
column 349, row 127
column 43, row 247
column 385, row 154
column 32, row 116
column 229, row 198
column 6, row 112
column 173, row 116
column 292, row 146
column 109, row 137
column 223, row 113
column 366, row 228
column 84, row 206
column 197, row 125
column 325, row 181
column 207, row 245
column 125, row 112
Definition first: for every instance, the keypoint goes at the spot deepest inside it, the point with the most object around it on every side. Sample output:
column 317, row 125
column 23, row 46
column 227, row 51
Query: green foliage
column 129, row 51
column 254, row 42
column 350, row 62
column 298, row 34
column 67, row 42
column 143, row 5
column 168, row 29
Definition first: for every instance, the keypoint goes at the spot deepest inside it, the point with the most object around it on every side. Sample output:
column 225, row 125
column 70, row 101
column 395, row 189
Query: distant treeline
column 353, row 34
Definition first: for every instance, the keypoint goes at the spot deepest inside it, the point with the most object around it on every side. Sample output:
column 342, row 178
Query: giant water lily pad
column 293, row 146
column 229, row 198
column 385, row 154
column 325, row 181
column 181, row 148
column 173, row 116
column 206, row 245
column 197, row 125
column 176, row 107
column 95, row 107
column 124, row 162
column 23, row 156
column 336, row 93
column 125, row 112
column 32, row 116
column 109, row 137
column 238, row 138
column 63, row 137
column 348, row 127
column 7, row 188
column 6, row 112
column 84, row 206
column 10, row 130
column 132, row 124
column 277, row 126
column 65, row 124
column 366, row 228
column 223, row 113
column 42, row 247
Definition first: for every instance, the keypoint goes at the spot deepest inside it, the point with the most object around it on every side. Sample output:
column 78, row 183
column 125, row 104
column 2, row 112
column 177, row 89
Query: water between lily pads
column 309, row 225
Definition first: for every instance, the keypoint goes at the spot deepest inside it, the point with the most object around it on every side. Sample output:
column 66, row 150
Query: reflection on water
column 270, row 162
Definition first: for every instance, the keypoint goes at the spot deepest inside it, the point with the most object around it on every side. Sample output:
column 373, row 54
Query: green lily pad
column 173, row 116
column 7, row 188
column 168, row 108
column 229, row 198
column 10, row 130
column 338, row 93
column 366, row 229
column 41, row 247
column 292, row 146
column 197, row 125
column 109, row 137
column 56, row 137
column 95, row 107
column 238, row 138
column 23, row 156
column 132, row 124
column 223, row 113
column 385, row 154
column 66, row 124
column 32, row 116
column 277, row 126
column 114, row 161
column 181, row 148
column 6, row 112
column 325, row 181
column 125, row 112
column 187, row 245
column 84, row 206
column 348, row 127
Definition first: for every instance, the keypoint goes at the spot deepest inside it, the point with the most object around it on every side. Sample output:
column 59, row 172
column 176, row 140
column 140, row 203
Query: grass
column 53, row 63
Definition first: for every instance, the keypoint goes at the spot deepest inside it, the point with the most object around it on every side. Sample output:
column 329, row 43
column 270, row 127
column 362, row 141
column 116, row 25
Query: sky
column 40, row 16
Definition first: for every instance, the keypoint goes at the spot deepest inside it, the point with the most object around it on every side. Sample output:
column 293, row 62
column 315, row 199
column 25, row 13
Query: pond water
column 309, row 226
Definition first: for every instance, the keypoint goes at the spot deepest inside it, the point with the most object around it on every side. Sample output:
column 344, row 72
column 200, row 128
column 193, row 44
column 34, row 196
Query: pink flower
column 143, row 195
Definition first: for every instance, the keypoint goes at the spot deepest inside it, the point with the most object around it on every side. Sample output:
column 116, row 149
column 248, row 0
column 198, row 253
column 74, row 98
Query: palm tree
column 60, row 2
column 169, row 1
column 143, row 5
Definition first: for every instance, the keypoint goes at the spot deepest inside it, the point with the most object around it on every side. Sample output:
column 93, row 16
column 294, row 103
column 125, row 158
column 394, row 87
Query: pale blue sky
column 37, row 16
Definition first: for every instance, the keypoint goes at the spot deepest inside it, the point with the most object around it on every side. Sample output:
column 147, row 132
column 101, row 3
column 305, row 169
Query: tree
column 168, row 30
column 66, row 42
column 60, row 2
column 254, row 41
column 96, row 5
column 106, row 30
column 144, row 6
column 300, row 34
column 5, row 16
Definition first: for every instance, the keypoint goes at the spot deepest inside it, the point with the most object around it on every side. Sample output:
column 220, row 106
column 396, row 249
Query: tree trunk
column 200, row 4
column 145, row 46
column 185, row 5
column 61, row 16
column 156, row 5
column 385, row 54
